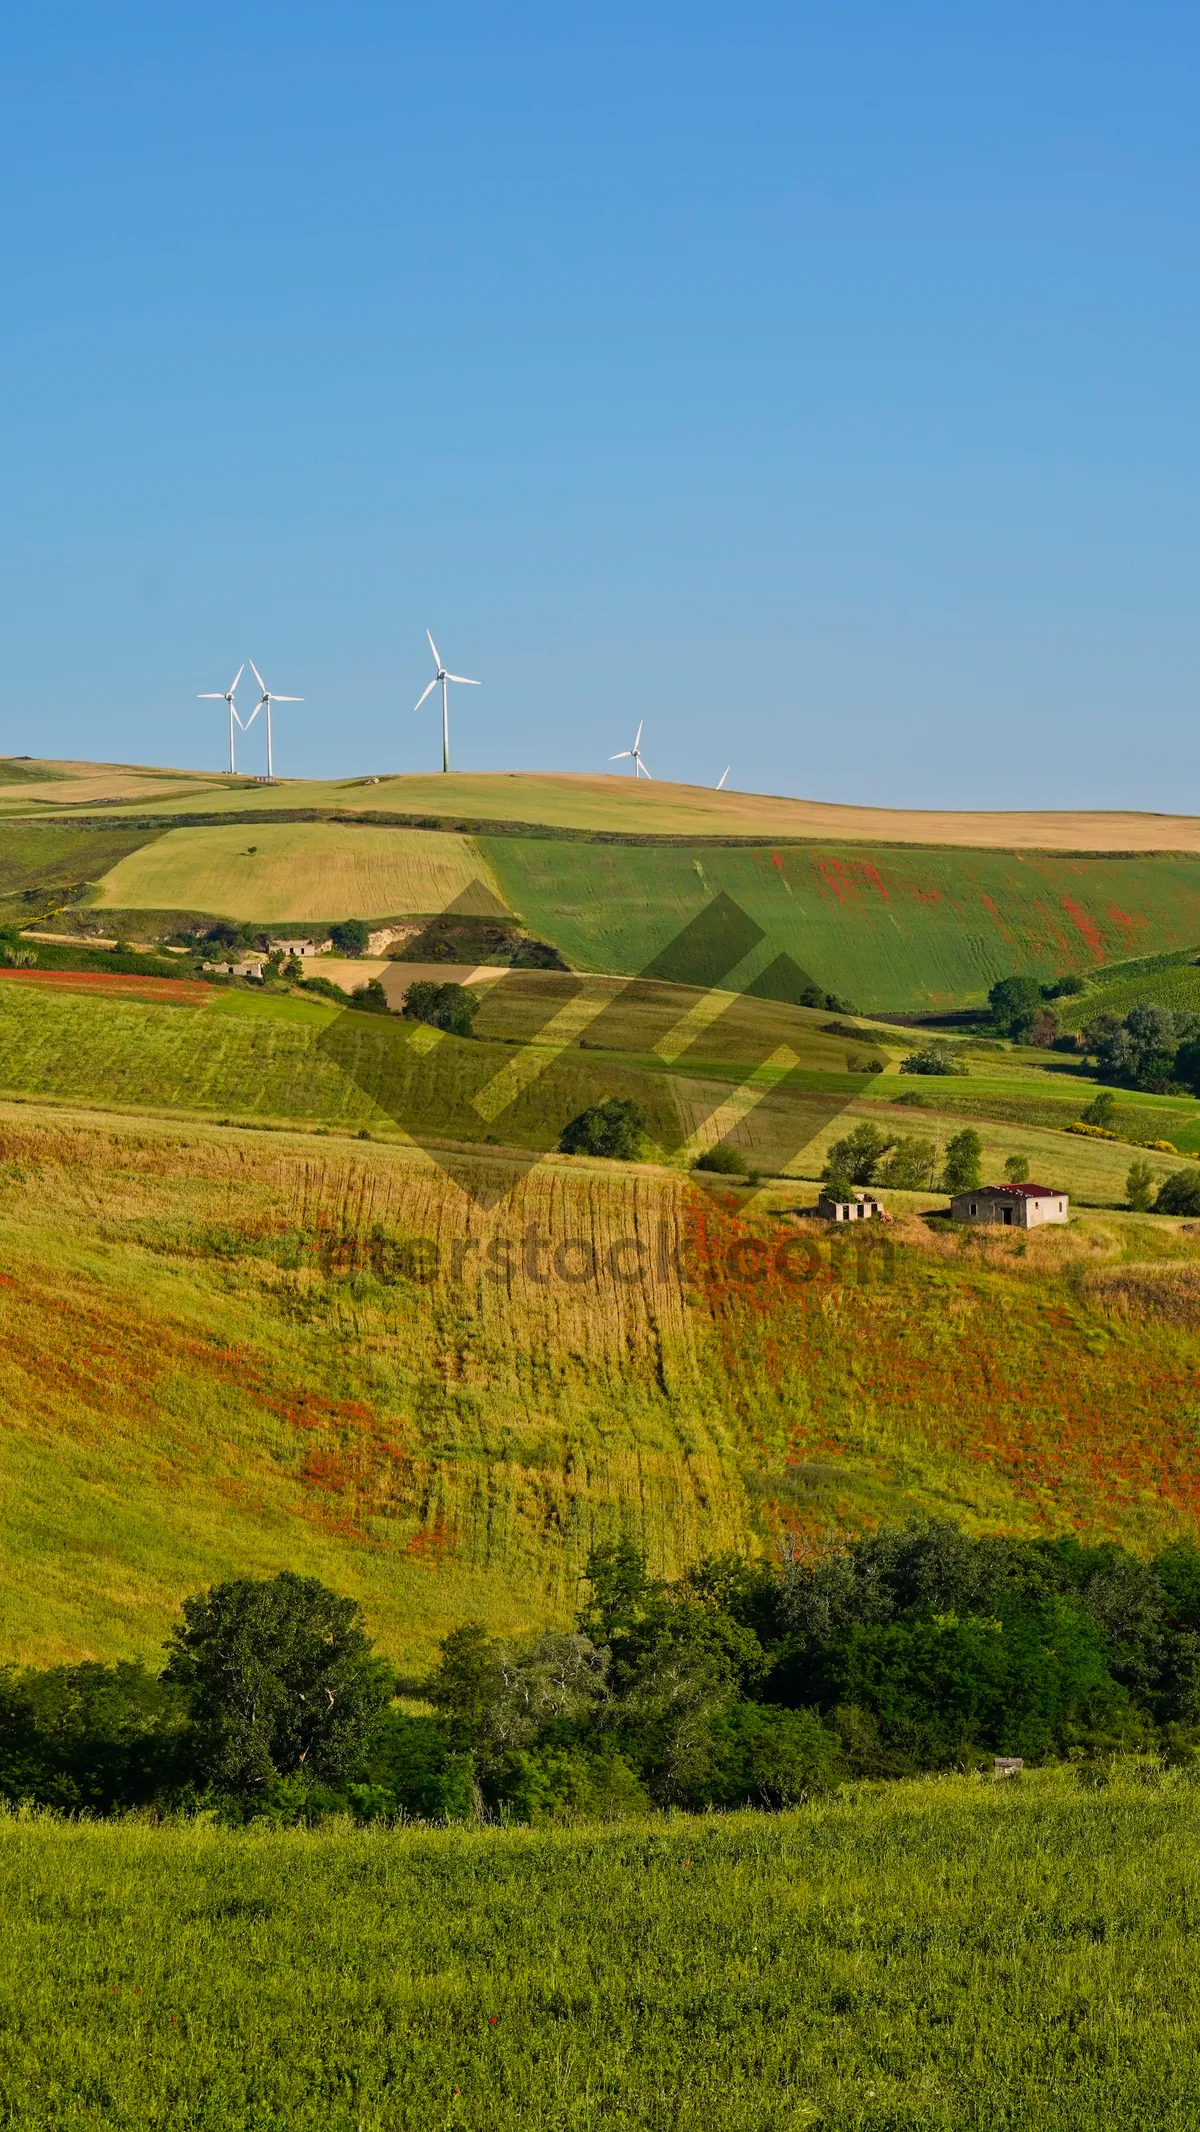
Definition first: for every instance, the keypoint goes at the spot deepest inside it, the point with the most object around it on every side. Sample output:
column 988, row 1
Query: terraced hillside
column 230, row 1351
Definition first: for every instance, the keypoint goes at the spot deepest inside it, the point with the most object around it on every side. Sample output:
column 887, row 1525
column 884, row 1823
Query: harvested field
column 302, row 871
column 166, row 991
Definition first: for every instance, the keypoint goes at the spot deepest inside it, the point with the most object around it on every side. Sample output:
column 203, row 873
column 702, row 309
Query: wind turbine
column 635, row 752
column 442, row 676
column 226, row 695
column 266, row 699
column 724, row 774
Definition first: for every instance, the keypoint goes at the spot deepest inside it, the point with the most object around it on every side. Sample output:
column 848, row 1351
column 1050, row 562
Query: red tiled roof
column 1013, row 1191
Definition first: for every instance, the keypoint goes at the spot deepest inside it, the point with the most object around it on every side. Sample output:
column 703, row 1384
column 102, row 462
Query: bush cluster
column 910, row 1650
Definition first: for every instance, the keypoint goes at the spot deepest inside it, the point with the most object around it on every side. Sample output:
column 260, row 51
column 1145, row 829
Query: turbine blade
column 644, row 771
column 287, row 699
column 465, row 682
column 724, row 774
column 437, row 657
column 638, row 742
column 237, row 677
column 212, row 695
column 429, row 691
column 621, row 757
column 258, row 677
column 250, row 720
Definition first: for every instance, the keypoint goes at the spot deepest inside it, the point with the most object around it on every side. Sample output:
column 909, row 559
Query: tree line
column 740, row 1684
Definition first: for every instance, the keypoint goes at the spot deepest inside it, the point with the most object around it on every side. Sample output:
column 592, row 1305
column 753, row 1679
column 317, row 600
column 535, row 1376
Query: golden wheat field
column 301, row 870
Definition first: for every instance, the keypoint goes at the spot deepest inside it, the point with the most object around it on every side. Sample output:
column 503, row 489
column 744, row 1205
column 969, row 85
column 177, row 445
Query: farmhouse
column 857, row 1209
column 1017, row 1206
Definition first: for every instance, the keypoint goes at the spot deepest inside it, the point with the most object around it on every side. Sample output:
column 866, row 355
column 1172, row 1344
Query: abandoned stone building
column 1017, row 1206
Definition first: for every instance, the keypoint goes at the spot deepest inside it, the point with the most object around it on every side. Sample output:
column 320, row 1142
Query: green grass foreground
column 954, row 1953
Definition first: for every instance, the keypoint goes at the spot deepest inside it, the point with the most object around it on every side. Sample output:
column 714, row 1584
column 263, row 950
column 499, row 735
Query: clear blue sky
column 817, row 382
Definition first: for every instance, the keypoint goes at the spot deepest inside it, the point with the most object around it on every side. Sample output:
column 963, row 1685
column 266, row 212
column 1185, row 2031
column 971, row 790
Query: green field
column 892, row 930
column 945, row 1954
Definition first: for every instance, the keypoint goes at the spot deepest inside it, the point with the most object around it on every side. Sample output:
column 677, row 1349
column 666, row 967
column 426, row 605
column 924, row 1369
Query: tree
column 909, row 1167
column 1016, row 1168
column 964, row 1154
column 450, row 1007
column 1068, row 987
column 351, row 937
column 1139, row 1186
column 614, row 1128
column 858, row 1156
column 932, row 1058
column 1187, row 1065
column 1101, row 1111
column 1141, row 1050
column 1015, row 1002
column 281, row 1680
column 1179, row 1193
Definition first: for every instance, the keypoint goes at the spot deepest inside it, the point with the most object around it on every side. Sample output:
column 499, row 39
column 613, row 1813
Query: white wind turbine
column 226, row 695
column 442, row 676
column 635, row 754
column 266, row 699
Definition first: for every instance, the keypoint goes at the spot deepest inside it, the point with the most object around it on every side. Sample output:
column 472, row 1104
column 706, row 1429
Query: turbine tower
column 266, row 699
column 634, row 753
column 226, row 695
column 442, row 676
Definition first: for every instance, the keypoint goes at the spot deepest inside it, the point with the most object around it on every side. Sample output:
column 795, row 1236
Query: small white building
column 1015, row 1206
column 856, row 1209
column 299, row 948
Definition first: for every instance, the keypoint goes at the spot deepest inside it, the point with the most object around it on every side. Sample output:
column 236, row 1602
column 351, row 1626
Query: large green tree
column 282, row 1681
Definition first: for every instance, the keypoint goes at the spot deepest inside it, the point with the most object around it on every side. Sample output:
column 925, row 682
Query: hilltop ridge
column 581, row 802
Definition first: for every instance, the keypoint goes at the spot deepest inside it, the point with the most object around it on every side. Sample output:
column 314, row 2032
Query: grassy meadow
column 942, row 1954
column 772, row 1079
column 230, row 1351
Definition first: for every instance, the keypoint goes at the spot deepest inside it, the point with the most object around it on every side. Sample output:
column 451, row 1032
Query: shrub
column 1068, row 987
column 614, row 1128
column 963, row 1157
column 1016, row 1169
column 1179, row 1193
column 369, row 998
column 932, row 1058
column 351, row 937
column 864, row 1062
column 450, row 1007
column 1139, row 1186
column 725, row 1161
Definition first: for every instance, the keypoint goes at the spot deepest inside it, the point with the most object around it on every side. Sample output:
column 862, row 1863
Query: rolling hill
column 891, row 926
column 435, row 1383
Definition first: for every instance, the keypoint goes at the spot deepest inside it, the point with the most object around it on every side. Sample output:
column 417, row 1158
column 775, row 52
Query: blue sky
column 817, row 383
